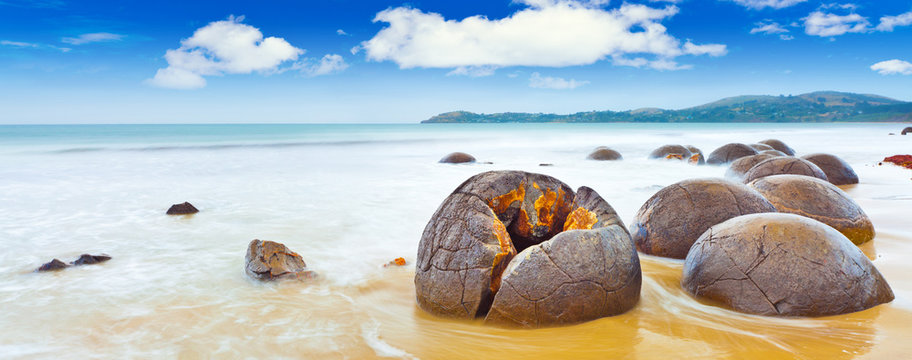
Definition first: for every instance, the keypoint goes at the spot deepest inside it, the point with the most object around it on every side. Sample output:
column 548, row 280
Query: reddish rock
column 901, row 160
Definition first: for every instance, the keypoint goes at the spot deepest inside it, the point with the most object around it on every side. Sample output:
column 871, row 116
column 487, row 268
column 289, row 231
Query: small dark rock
column 545, row 164
column 54, row 265
column 182, row 209
column 457, row 158
column 86, row 259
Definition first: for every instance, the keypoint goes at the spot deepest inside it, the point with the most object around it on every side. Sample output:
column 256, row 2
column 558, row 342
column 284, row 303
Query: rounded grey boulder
column 604, row 153
column 729, row 152
column 457, row 158
column 779, row 145
column 781, row 166
column 838, row 172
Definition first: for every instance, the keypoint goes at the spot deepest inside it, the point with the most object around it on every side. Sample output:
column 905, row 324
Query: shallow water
column 350, row 198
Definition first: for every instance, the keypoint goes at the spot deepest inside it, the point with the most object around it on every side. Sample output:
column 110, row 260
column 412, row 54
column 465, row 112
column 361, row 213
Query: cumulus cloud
column 329, row 64
column 222, row 47
column 547, row 82
column 552, row 33
column 819, row 23
column 761, row 4
column 887, row 23
column 341, row 32
column 893, row 67
column 92, row 38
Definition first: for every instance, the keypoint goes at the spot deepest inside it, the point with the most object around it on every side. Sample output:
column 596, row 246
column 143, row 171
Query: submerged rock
column 672, row 219
column 53, row 265
column 730, row 152
column 457, row 158
column 838, row 172
column 86, row 259
column 784, row 165
column 779, row 145
column 478, row 230
column 182, row 209
column 604, row 153
column 818, row 200
column 269, row 260
column 782, row 265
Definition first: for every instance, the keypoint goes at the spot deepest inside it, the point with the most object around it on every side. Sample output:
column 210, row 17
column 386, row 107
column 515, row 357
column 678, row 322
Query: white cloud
column 546, row 82
column 222, row 47
column 887, row 23
column 786, row 37
column 891, row 67
column 28, row 45
column 329, row 64
column 92, row 38
column 553, row 33
column 760, row 4
column 823, row 24
column 768, row 28
column 341, row 32
column 473, row 71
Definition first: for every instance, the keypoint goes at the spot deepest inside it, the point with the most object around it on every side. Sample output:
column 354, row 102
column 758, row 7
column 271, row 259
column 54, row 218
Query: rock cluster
column 84, row 259
column 268, row 260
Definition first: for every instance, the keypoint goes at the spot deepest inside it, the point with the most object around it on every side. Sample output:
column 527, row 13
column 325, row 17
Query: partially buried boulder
column 779, row 145
column 838, row 172
column 588, row 271
column 782, row 265
column 729, row 152
column 604, row 153
column 486, row 221
column 907, row 130
column 672, row 219
column 86, row 259
column 457, row 158
column 268, row 260
column 739, row 167
column 53, row 265
column 818, row 200
column 182, row 209
column 782, row 166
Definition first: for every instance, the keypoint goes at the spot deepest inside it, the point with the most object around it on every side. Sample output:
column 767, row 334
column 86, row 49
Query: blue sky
column 387, row 61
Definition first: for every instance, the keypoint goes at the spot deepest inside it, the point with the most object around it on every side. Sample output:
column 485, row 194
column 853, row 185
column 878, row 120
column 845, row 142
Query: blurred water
column 350, row 198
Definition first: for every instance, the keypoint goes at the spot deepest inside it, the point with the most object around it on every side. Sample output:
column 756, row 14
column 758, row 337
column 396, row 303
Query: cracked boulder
column 457, row 158
column 818, row 200
column 779, row 145
column 782, row 265
column 269, row 260
column 739, row 167
column 483, row 224
column 696, row 155
column 783, row 166
column 672, row 219
column 604, row 153
column 730, row 152
column 838, row 172
column 589, row 271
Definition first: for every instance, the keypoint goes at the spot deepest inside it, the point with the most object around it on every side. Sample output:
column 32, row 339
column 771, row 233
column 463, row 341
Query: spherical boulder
column 672, row 219
column 907, row 130
column 603, row 153
column 739, row 167
column 729, row 152
column 837, row 171
column 779, row 145
column 678, row 152
column 782, row 265
column 773, row 152
column 269, row 260
column 761, row 147
column 696, row 155
column 588, row 271
column 818, row 200
column 781, row 166
column 185, row 208
column 457, row 158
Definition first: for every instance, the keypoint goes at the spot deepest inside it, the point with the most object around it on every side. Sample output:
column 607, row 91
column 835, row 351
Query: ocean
column 350, row 198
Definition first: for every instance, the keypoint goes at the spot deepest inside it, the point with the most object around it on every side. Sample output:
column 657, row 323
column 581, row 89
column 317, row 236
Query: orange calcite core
column 580, row 219
column 502, row 258
column 543, row 205
column 694, row 159
column 674, row 156
column 501, row 203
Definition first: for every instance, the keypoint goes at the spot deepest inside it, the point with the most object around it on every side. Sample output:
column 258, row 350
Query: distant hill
column 821, row 106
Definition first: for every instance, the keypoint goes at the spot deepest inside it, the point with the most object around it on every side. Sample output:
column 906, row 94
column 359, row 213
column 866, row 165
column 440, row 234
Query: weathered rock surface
column 729, row 152
column 86, row 259
column 838, row 172
column 457, row 158
column 774, row 152
column 589, row 271
column 604, row 153
column 783, row 166
column 671, row 152
column 269, row 260
column 782, row 265
column 672, row 219
column 761, row 147
column 818, row 200
column 480, row 227
column 779, row 145
column 696, row 155
column 739, row 167
column 182, row 209
column 53, row 265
